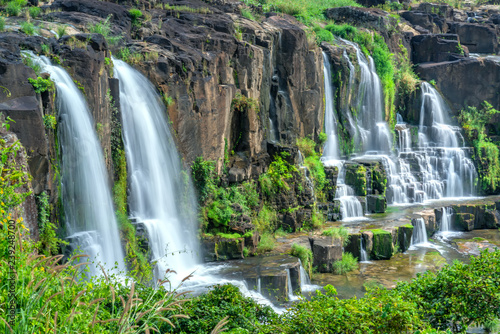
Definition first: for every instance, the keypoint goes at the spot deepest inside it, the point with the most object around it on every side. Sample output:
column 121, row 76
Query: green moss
column 356, row 177
column 382, row 245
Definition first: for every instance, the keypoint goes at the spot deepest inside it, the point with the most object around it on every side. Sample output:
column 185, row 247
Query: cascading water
column 160, row 194
column 419, row 235
column 350, row 207
column 446, row 220
column 331, row 149
column 362, row 250
column 373, row 131
column 86, row 196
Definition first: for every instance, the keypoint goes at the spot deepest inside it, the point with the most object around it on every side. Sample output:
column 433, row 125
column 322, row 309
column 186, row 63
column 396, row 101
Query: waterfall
column 373, row 131
column 160, row 192
column 86, row 195
column 350, row 207
column 362, row 250
column 331, row 149
column 291, row 296
column 419, row 235
column 446, row 220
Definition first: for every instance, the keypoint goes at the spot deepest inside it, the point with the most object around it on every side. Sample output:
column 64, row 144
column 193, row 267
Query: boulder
column 325, row 252
column 463, row 222
column 376, row 204
column 382, row 245
column 405, row 233
column 221, row 249
column 354, row 245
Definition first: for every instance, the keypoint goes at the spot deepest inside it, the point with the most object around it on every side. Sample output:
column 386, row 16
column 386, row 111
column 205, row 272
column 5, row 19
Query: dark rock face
column 325, row 252
column 467, row 82
column 354, row 245
column 24, row 108
column 222, row 249
column 434, row 48
column 376, row 204
column 404, row 234
column 479, row 38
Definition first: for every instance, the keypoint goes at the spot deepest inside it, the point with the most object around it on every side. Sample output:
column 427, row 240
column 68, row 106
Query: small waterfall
column 160, row 193
column 291, row 296
column 304, row 277
column 446, row 220
column 350, row 207
column 331, row 149
column 419, row 235
column 86, row 195
column 259, row 286
column 362, row 250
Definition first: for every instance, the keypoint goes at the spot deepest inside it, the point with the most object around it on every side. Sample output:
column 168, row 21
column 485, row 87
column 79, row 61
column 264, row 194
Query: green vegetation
column 347, row 264
column 312, row 155
column 277, row 176
column 14, row 8
column 61, row 31
column 2, row 23
column 41, row 85
column 305, row 255
column 474, row 122
column 49, row 121
column 49, row 241
column 244, row 104
column 199, row 10
column 338, row 233
column 34, row 12
column 246, row 13
column 104, row 28
column 306, row 11
column 135, row 14
column 266, row 243
column 28, row 28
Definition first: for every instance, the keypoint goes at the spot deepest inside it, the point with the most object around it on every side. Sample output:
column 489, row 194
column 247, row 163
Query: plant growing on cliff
column 244, row 104
column 104, row 28
column 15, row 7
column 28, row 28
column 34, row 12
column 2, row 23
column 135, row 15
column 340, row 233
column 277, row 176
column 61, row 31
column 41, row 85
column 474, row 122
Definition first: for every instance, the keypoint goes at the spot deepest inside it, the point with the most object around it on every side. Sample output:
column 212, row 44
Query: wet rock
column 23, row 106
column 354, row 245
column 330, row 210
column 142, row 235
column 221, row 249
column 382, row 245
column 368, row 241
column 355, row 176
column 325, row 252
column 434, row 48
column 464, row 222
column 404, row 237
column 482, row 216
column 376, row 204
column 274, row 285
column 236, row 175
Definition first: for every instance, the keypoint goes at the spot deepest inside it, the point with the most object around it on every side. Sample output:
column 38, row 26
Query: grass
column 61, row 31
column 2, row 23
column 104, row 28
column 347, row 264
column 338, row 233
column 28, row 28
column 34, row 12
column 266, row 243
column 305, row 11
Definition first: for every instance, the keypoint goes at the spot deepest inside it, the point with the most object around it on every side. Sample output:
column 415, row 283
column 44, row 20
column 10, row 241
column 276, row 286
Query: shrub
column 306, row 146
column 243, row 104
column 135, row 14
column 266, row 220
column 49, row 121
column 2, row 23
column 41, row 85
column 104, row 28
column 34, row 12
column 347, row 264
column 61, row 31
column 203, row 175
column 13, row 8
column 323, row 35
column 279, row 172
column 305, row 255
